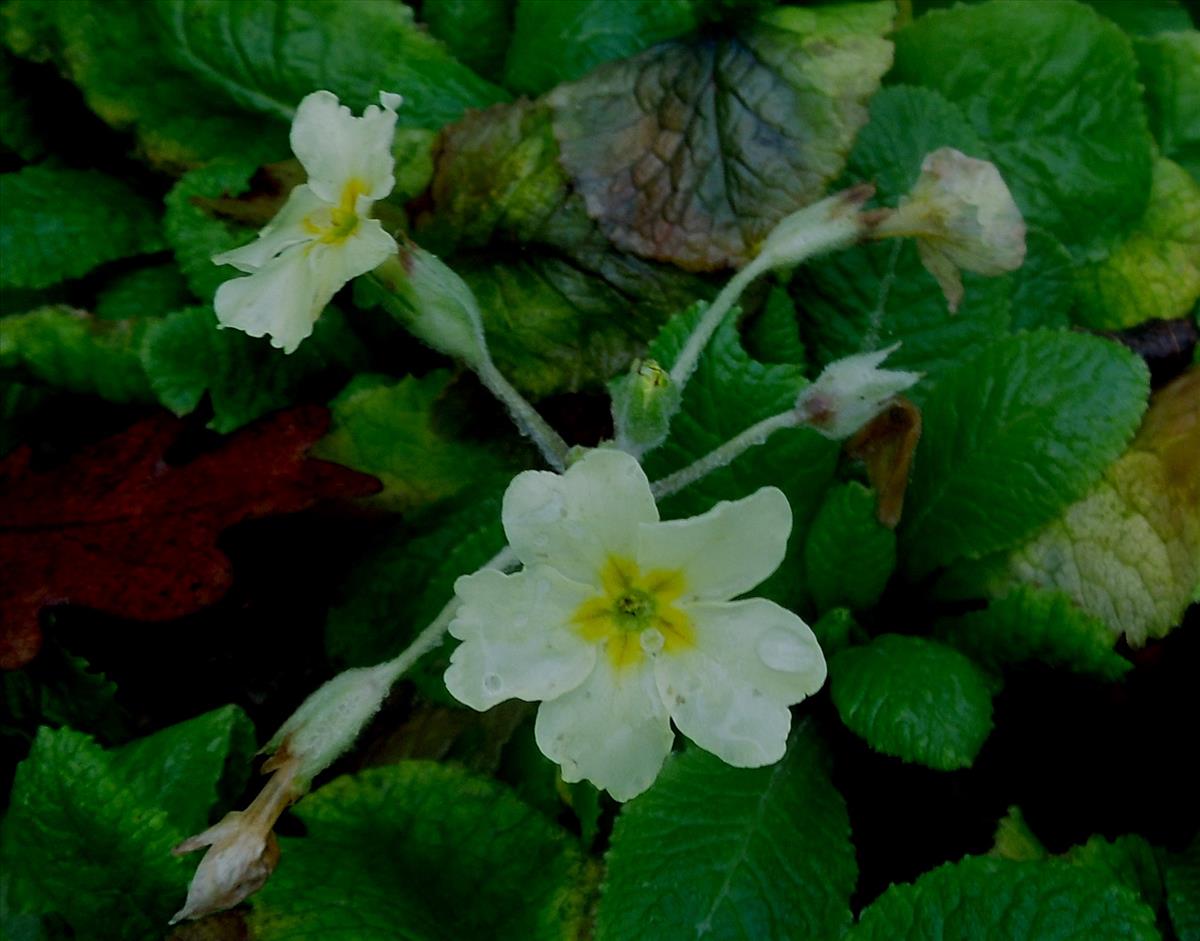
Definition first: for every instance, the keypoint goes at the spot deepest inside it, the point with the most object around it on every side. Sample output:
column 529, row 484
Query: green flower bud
column 643, row 403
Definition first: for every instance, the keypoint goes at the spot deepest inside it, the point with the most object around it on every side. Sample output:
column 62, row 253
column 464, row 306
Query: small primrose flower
column 323, row 236
column 963, row 217
column 850, row 392
column 621, row 623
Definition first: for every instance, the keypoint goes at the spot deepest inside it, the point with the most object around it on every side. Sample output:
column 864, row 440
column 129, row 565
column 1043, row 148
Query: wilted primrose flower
column 323, row 236
column 963, row 218
column 850, row 392
column 621, row 623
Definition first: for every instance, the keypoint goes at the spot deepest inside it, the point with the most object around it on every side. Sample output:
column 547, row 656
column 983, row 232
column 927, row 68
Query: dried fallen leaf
column 119, row 529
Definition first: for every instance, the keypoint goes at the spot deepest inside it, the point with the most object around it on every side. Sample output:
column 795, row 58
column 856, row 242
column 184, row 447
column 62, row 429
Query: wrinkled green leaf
column 396, row 432
column 561, row 40
column 1043, row 626
column 425, row 851
column 58, row 689
column 1003, row 900
column 1051, row 88
column 1144, row 17
column 60, row 224
column 1127, row 860
column 70, row 349
column 1011, row 437
column 721, row 852
column 18, row 129
column 266, row 55
column 144, row 292
column 1045, row 284
column 848, row 555
column 477, row 32
column 1154, row 271
column 915, row 699
column 1169, row 67
column 187, row 355
column 1182, row 878
column 731, row 135
column 774, row 336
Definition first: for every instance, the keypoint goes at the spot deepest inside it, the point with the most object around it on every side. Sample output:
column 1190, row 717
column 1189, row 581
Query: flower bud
column 433, row 303
column 825, row 226
column 963, row 218
column 850, row 392
column 643, row 403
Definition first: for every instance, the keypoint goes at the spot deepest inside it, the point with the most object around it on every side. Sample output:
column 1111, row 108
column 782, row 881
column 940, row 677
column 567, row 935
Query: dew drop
column 652, row 640
column 492, row 683
column 783, row 650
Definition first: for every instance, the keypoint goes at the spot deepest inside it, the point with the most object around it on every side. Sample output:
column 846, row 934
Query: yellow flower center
column 635, row 615
column 335, row 225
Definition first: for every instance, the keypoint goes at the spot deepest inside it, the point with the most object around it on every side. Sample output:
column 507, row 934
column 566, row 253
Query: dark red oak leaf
column 120, row 530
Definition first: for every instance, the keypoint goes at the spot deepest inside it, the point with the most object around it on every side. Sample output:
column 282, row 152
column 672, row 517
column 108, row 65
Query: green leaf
column 692, row 151
column 188, row 766
column 72, row 350
column 774, row 336
column 60, row 224
column 1037, row 625
column 1128, row 551
column 89, row 832
column 1051, row 88
column 848, row 555
column 1144, row 17
column 396, row 431
column 194, row 235
column 872, row 296
column 144, row 292
column 727, row 394
column 721, row 852
column 1003, row 900
column 1154, row 271
column 915, row 699
column 266, row 55
column 402, row 582
column 1128, row 860
column 187, row 354
column 1182, row 878
column 1011, row 437
column 1169, row 68
column 425, row 852
column 561, row 40
column 477, row 32
column 1045, row 284
column 113, row 50
column 18, row 129
column 58, row 689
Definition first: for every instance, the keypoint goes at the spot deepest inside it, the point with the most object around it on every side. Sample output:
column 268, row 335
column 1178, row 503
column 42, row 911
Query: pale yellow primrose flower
column 323, row 236
column 622, row 623
column 963, row 217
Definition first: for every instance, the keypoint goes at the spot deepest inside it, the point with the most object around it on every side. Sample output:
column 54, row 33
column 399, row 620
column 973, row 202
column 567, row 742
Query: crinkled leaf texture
column 89, row 831
column 1051, row 88
column 1182, row 879
column 1170, row 69
column 848, row 555
column 728, row 136
column 915, row 699
column 1012, row 436
column 1003, row 900
column 721, row 852
column 1128, row 552
column 60, row 224
column 268, row 54
column 423, row 852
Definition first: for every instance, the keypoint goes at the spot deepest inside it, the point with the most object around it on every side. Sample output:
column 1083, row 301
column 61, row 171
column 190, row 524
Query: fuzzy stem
column 719, row 457
column 685, row 365
column 551, row 444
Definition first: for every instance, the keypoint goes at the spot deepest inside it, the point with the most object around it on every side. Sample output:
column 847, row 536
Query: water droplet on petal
column 652, row 640
column 783, row 650
column 492, row 683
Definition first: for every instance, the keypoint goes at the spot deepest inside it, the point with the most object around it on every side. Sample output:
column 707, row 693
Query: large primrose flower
column 622, row 623
column 323, row 236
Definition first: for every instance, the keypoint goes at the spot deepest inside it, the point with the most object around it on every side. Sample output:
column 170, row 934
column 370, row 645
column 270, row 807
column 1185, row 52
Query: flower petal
column 282, row 232
column 730, row 692
column 613, row 730
column 279, row 300
column 518, row 641
column 574, row 521
column 335, row 147
column 335, row 263
column 723, row 552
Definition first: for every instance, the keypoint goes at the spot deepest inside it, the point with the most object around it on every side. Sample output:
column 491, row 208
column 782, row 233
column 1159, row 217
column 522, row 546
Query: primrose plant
column 620, row 623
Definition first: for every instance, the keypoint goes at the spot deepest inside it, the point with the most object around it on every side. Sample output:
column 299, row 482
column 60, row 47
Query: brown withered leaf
column 886, row 445
column 119, row 529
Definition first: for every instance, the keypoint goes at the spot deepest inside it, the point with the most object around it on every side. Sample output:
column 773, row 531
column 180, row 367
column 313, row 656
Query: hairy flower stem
column 719, row 457
column 685, row 365
column 549, row 442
